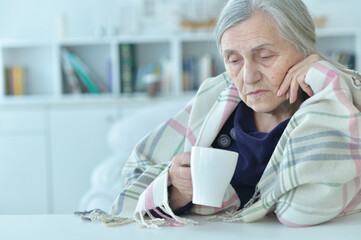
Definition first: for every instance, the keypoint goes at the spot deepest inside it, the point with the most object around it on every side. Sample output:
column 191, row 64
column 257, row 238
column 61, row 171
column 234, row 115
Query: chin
column 262, row 108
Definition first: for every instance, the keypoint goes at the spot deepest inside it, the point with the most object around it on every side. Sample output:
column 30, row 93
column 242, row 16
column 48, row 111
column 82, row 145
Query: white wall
column 37, row 18
column 341, row 13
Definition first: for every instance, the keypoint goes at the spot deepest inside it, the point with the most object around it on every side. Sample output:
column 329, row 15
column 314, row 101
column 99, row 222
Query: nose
column 251, row 73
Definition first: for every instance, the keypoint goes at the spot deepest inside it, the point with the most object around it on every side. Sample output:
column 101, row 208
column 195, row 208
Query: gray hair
column 292, row 18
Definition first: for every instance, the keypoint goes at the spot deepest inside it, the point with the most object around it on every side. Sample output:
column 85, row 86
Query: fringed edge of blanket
column 102, row 216
column 237, row 216
column 168, row 218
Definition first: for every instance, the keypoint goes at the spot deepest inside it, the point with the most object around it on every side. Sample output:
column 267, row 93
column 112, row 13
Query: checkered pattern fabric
column 312, row 176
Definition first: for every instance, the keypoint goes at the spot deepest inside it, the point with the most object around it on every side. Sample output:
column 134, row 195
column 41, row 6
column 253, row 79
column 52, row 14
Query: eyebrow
column 261, row 46
column 229, row 51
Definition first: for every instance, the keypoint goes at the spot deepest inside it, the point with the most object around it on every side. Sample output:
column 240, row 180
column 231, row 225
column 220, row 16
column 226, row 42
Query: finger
column 179, row 181
column 315, row 58
column 301, row 81
column 288, row 94
column 180, row 173
column 307, row 89
column 185, row 187
column 181, row 159
column 184, row 173
column 186, row 159
column 291, row 74
column 183, row 184
column 285, row 84
column 293, row 91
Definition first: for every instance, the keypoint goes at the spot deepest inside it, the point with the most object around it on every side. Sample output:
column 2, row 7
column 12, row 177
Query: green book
column 70, row 77
column 8, row 83
column 82, row 74
column 127, row 66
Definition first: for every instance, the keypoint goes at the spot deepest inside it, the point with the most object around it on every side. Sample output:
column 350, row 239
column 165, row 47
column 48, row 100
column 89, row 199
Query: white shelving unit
column 42, row 60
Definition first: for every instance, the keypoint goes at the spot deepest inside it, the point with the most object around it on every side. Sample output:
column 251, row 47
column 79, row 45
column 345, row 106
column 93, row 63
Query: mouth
column 257, row 94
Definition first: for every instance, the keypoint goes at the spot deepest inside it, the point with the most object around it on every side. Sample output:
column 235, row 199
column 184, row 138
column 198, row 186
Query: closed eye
column 234, row 59
column 266, row 57
column 265, row 54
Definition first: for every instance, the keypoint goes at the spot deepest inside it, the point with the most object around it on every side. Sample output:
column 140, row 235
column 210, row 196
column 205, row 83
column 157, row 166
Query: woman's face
column 257, row 59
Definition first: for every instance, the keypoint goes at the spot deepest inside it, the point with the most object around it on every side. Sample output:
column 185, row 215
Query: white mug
column 211, row 170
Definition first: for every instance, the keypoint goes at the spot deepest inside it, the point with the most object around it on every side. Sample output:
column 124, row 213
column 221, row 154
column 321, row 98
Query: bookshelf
column 44, row 77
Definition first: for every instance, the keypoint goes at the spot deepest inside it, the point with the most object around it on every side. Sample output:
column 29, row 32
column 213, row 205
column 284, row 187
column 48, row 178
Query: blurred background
column 50, row 19
column 82, row 81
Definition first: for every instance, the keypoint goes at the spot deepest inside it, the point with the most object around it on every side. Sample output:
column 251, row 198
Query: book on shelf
column 99, row 84
column 141, row 72
column 15, row 80
column 196, row 70
column 71, row 80
column 133, row 77
column 110, row 75
column 79, row 77
column 127, row 68
column 166, row 75
column 206, row 68
column 189, row 73
column 159, row 74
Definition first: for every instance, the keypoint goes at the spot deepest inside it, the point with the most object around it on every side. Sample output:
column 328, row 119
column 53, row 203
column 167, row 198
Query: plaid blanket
column 312, row 176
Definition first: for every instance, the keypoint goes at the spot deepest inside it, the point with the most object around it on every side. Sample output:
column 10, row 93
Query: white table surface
column 41, row 227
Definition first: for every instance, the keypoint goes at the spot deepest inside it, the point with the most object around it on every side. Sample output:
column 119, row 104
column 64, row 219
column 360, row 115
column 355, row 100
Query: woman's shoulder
column 328, row 79
column 220, row 81
column 210, row 91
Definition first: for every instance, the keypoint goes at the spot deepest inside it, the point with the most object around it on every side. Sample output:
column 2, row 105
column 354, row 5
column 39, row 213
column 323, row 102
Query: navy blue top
column 254, row 149
column 239, row 134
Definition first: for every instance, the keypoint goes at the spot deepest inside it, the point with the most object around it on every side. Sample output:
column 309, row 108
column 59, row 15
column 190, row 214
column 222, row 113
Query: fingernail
column 279, row 93
column 287, row 95
column 292, row 99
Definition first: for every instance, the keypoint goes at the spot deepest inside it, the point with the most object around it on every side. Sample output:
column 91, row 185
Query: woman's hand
column 181, row 191
column 295, row 78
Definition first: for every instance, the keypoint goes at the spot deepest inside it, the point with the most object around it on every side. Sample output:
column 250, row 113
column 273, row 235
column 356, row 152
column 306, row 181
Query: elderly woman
column 293, row 119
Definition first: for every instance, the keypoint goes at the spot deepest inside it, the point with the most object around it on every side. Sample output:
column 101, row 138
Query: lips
column 257, row 94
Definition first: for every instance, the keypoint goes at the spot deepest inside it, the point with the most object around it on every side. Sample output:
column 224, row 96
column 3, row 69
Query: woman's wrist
column 176, row 199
